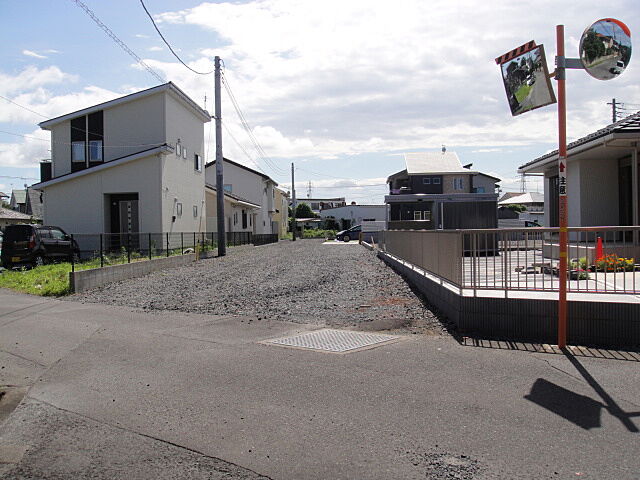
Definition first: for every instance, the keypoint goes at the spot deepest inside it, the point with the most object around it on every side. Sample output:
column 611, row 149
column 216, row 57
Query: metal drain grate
column 336, row 341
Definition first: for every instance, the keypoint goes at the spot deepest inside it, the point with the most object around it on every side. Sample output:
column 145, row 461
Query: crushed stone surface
column 304, row 282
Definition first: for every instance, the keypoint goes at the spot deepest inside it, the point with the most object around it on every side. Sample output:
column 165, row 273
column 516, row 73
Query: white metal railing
column 601, row 259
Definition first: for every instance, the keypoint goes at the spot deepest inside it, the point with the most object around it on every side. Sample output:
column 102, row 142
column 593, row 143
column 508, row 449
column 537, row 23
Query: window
column 178, row 209
column 95, row 150
column 423, row 216
column 227, row 187
column 479, row 189
column 426, row 181
column 57, row 234
column 197, row 162
column 195, row 211
column 458, row 184
column 178, row 149
column 436, row 181
column 77, row 152
column 235, row 218
column 184, row 152
column 417, row 215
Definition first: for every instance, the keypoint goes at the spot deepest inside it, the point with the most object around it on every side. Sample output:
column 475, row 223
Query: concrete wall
column 181, row 182
column 87, row 279
column 78, row 205
column 606, row 324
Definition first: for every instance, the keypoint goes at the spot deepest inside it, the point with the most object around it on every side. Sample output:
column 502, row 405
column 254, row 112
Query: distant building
column 9, row 217
column 350, row 215
column 436, row 191
column 18, row 201
column 534, row 203
column 319, row 204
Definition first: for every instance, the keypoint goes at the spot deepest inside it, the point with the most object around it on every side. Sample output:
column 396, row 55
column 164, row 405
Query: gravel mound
column 303, row 281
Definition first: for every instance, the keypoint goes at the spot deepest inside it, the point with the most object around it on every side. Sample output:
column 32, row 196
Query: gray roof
column 34, row 203
column 523, row 198
column 630, row 124
column 20, row 195
column 434, row 162
column 7, row 213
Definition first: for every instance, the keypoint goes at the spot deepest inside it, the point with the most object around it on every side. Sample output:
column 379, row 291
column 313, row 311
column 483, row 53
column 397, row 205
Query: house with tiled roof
column 602, row 177
column 9, row 217
column 436, row 191
column 18, row 201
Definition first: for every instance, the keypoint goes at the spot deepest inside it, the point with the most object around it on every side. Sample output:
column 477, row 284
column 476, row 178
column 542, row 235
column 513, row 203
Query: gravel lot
column 304, row 282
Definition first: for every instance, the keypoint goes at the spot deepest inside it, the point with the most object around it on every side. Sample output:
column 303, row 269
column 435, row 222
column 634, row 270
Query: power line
column 168, row 45
column 22, row 106
column 247, row 128
column 115, row 38
column 19, row 178
column 68, row 143
column 242, row 148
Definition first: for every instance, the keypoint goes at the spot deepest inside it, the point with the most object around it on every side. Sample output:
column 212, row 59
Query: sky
column 339, row 88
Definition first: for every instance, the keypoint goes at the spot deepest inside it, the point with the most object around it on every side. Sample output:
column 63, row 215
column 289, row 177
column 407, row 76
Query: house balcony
column 410, row 225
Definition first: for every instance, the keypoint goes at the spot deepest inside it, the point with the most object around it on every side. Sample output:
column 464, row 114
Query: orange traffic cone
column 599, row 251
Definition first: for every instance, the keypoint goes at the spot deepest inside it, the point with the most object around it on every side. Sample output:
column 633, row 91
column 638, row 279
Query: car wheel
column 346, row 238
column 38, row 261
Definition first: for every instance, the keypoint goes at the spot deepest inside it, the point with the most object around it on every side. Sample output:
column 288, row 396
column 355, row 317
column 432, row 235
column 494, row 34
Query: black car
column 352, row 233
column 36, row 245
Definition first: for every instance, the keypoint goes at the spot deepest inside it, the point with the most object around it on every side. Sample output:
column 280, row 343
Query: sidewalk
column 117, row 393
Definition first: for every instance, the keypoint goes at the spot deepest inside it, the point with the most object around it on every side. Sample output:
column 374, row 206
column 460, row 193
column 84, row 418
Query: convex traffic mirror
column 605, row 48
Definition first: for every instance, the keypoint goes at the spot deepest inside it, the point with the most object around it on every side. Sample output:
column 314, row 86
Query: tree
column 516, row 207
column 303, row 210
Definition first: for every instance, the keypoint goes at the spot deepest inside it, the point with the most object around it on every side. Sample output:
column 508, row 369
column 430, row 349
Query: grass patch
column 522, row 92
column 47, row 281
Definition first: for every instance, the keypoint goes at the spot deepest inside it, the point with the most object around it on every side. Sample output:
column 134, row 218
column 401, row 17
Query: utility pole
column 614, row 112
column 222, row 246
column 293, row 197
column 309, row 189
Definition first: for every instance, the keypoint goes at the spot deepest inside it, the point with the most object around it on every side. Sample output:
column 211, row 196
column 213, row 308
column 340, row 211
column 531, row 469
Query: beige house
column 282, row 212
column 133, row 164
column 254, row 187
column 240, row 214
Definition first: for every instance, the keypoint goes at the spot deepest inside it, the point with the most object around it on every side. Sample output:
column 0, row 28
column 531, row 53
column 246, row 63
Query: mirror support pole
column 562, row 174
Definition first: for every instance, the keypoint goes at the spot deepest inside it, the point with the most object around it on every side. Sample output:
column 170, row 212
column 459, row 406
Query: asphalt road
column 119, row 393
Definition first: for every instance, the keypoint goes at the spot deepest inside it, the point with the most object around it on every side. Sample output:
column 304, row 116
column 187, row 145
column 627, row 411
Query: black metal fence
column 104, row 249
column 264, row 239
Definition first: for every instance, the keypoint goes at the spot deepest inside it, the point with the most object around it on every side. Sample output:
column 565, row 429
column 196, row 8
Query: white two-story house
column 133, row 164
column 255, row 188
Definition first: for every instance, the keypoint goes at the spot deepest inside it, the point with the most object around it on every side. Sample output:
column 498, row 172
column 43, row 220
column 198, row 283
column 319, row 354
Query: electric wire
column 22, row 106
column 168, row 45
column 69, row 143
column 242, row 148
column 247, row 128
column 115, row 38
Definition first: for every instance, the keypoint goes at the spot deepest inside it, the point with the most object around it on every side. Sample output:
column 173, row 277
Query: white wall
column 356, row 213
column 181, row 182
column 61, row 149
column 599, row 202
column 134, row 126
column 78, row 205
column 488, row 183
column 251, row 187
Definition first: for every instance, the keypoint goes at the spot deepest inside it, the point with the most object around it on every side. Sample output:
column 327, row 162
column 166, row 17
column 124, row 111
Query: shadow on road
column 579, row 409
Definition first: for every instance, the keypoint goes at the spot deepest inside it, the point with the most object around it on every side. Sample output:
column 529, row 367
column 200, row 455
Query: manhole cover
column 336, row 341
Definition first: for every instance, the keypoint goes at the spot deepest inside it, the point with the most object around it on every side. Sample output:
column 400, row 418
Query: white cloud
column 32, row 77
column 155, row 49
column 30, row 53
column 51, row 50
column 344, row 78
column 141, row 35
column 26, row 153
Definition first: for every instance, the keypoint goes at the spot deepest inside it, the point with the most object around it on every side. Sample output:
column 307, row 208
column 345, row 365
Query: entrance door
column 124, row 214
